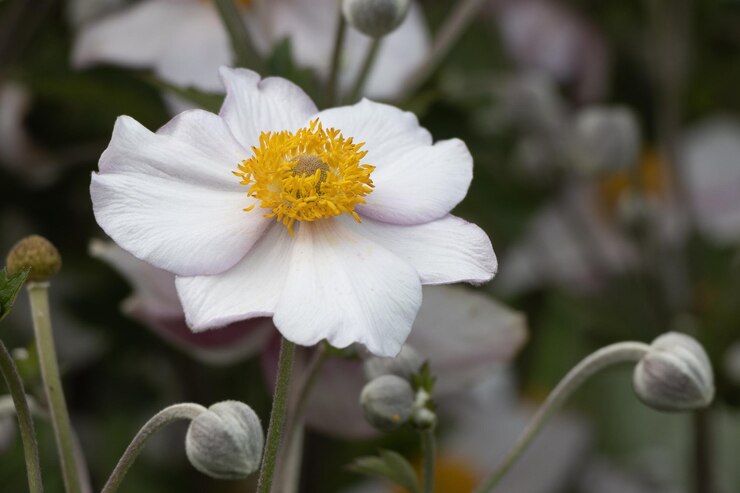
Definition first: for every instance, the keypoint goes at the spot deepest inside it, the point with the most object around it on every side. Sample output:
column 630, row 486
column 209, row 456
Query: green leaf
column 389, row 465
column 9, row 288
column 423, row 380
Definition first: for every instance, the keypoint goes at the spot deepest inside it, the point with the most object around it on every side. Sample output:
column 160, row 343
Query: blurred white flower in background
column 184, row 42
column 709, row 165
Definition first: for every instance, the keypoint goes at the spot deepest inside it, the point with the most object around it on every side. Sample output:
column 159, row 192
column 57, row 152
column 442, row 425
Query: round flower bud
column 37, row 253
column 226, row 441
column 608, row 138
column 675, row 374
column 376, row 18
column 407, row 363
column 387, row 402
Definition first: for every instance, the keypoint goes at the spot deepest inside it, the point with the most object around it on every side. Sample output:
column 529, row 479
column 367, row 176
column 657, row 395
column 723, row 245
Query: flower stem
column 25, row 423
column 290, row 467
column 336, row 57
column 277, row 416
column 428, row 448
column 367, row 64
column 241, row 42
column 167, row 415
column 621, row 352
column 456, row 23
column 39, row 296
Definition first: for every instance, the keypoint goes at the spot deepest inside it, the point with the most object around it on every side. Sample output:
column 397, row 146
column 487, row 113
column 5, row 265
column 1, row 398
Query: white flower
column 184, row 42
column 361, row 196
column 709, row 160
column 155, row 304
column 466, row 337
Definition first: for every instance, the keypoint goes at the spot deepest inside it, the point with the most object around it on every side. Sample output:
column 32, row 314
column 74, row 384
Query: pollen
column 307, row 175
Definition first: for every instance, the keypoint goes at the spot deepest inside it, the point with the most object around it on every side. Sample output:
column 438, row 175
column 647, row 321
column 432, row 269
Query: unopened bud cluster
column 226, row 441
column 675, row 374
column 389, row 400
column 376, row 18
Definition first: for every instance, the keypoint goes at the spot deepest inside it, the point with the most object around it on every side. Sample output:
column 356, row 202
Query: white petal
column 195, row 146
column 253, row 106
column 250, row 289
column 465, row 335
column 182, row 41
column 346, row 289
column 415, row 181
column 444, row 251
column 182, row 228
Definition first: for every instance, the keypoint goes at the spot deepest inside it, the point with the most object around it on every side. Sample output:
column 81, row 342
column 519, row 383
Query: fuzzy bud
column 675, row 374
column 407, row 363
column 226, row 441
column 608, row 138
column 376, row 18
column 37, row 253
column 387, row 402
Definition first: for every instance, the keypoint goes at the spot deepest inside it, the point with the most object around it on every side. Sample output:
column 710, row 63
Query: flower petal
column 250, row 289
column 179, row 40
column 346, row 289
column 169, row 199
column 415, row 181
column 465, row 334
column 443, row 251
column 176, row 226
column 253, row 106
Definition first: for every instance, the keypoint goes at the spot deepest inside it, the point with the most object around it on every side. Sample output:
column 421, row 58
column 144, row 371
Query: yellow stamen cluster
column 307, row 175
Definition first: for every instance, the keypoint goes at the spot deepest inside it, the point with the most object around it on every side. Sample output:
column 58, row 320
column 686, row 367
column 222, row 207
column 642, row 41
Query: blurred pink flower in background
column 184, row 42
column 547, row 36
column 154, row 303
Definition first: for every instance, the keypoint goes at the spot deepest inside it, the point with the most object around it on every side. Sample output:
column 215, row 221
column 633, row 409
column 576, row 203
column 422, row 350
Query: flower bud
column 675, row 374
column 376, row 18
column 37, row 253
column 226, row 441
column 608, row 139
column 407, row 363
column 387, row 402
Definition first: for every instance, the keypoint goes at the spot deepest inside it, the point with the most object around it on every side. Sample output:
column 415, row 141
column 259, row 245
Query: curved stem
column 336, row 57
column 456, row 23
column 167, row 415
column 39, row 295
column 428, row 448
column 277, row 416
column 621, row 352
column 25, row 423
column 367, row 64
column 241, row 43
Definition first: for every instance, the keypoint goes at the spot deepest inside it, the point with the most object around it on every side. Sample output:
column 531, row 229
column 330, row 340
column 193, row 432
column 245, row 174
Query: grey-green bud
column 675, row 374
column 226, row 441
column 407, row 363
column 387, row 402
column 608, row 138
column 376, row 18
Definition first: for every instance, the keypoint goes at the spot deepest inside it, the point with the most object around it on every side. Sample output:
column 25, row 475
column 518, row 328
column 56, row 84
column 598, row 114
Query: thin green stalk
column 186, row 410
column 428, row 448
column 25, row 423
column 39, row 295
column 277, row 416
column 621, row 352
column 367, row 64
column 241, row 42
column 336, row 57
column 290, row 468
column 456, row 23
